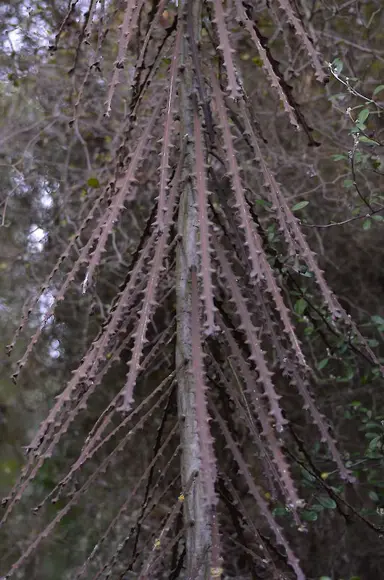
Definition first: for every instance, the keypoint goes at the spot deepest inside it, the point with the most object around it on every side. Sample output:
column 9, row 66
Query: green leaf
column 374, row 443
column 306, row 273
column 377, row 319
column 327, row 502
column 339, row 157
column 364, row 139
column 309, row 516
column 372, row 425
column 257, row 61
column 357, row 128
column 363, row 116
column 280, row 511
column 347, row 183
column 93, row 182
column 300, row 306
column 307, row 475
column 322, row 364
column 317, row 508
column 373, row 496
column 263, row 202
column 325, row 578
column 337, row 66
column 348, row 376
column 300, row 205
column 378, row 89
column 369, row 434
column 367, row 224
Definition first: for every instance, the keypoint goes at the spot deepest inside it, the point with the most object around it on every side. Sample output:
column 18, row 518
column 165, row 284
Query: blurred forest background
column 56, row 155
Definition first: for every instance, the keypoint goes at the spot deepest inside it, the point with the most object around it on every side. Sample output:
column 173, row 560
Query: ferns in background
column 204, row 306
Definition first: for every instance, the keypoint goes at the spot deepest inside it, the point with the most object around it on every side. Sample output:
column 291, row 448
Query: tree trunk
column 196, row 516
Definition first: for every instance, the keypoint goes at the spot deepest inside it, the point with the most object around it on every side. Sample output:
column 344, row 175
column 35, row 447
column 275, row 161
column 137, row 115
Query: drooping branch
column 199, row 534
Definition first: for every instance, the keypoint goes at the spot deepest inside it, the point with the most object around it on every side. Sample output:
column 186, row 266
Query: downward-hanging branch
column 201, row 312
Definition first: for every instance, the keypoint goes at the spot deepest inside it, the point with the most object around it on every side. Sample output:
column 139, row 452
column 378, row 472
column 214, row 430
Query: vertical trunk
column 196, row 517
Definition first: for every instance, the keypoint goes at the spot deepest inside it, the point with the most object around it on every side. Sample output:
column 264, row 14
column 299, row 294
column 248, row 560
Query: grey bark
column 196, row 516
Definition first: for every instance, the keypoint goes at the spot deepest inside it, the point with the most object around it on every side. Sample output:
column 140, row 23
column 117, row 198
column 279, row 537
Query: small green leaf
column 378, row 89
column 363, row 116
column 300, row 205
column 374, row 443
column 280, row 511
column 257, row 61
column 306, row 273
column 327, row 502
column 373, row 496
column 339, row 157
column 322, row 364
column 367, row 224
column 307, row 475
column 317, row 508
column 337, row 66
column 325, row 578
column 93, row 182
column 348, row 376
column 309, row 516
column 263, row 202
column 364, row 139
column 300, row 306
column 372, row 425
column 357, row 128
column 347, row 183
column 356, row 404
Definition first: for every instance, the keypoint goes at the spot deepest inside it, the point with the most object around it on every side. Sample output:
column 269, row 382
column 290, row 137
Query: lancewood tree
column 216, row 365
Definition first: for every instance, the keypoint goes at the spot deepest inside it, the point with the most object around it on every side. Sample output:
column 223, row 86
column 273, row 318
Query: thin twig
column 347, row 221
